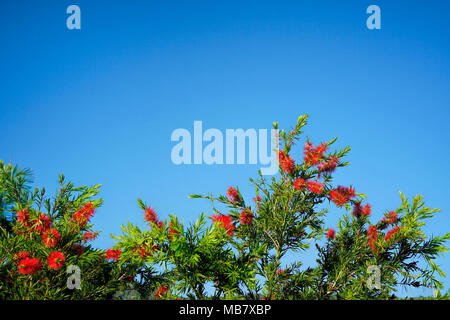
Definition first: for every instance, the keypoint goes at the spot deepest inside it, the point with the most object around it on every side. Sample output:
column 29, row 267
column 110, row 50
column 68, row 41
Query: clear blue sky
column 99, row 104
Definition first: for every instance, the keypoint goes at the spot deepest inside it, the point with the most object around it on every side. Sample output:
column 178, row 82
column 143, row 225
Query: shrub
column 44, row 242
column 241, row 253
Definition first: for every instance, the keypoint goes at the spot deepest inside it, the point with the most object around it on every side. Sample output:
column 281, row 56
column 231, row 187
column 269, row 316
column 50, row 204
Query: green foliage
column 285, row 221
column 99, row 279
column 239, row 250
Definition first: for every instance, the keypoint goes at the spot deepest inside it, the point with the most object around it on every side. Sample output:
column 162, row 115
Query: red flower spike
column 23, row 217
column 341, row 195
column 56, row 260
column 87, row 236
column 151, row 217
column 42, row 223
column 113, row 254
column 314, row 155
column 257, row 199
column 391, row 234
column 315, row 187
column 280, row 272
column 299, row 184
column 357, row 209
column 224, row 222
column 145, row 250
column 366, row 210
column 329, row 165
column 161, row 292
column 88, row 210
column 21, row 255
column 29, row 265
column 50, row 237
column 82, row 216
column 246, row 217
column 391, row 217
column 372, row 233
column 172, row 231
column 233, row 195
column 338, row 198
column 286, row 162
column 331, row 234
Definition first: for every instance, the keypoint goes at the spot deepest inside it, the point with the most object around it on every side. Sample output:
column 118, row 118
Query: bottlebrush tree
column 242, row 252
column 44, row 243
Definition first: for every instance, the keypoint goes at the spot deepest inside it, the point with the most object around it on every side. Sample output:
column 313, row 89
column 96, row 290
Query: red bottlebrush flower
column 55, row 260
column 366, row 210
column 29, row 265
column 391, row 217
column 331, row 234
column 113, row 254
column 329, row 165
column 280, row 272
column 82, row 216
column 314, row 155
column 233, row 195
column 347, row 192
column 23, row 217
column 161, row 292
column 391, row 234
column 172, row 231
column 22, row 255
column 299, row 184
column 50, row 237
column 79, row 249
column 42, row 223
column 372, row 230
column 372, row 233
column 79, row 219
column 357, row 209
column 145, row 250
column 224, row 222
column 314, row 187
column 257, row 199
column 87, row 236
column 286, row 162
column 88, row 210
column 383, row 223
column 338, row 198
column 151, row 217
column 246, row 217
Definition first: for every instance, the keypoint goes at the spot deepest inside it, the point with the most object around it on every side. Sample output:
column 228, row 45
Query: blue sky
column 99, row 104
